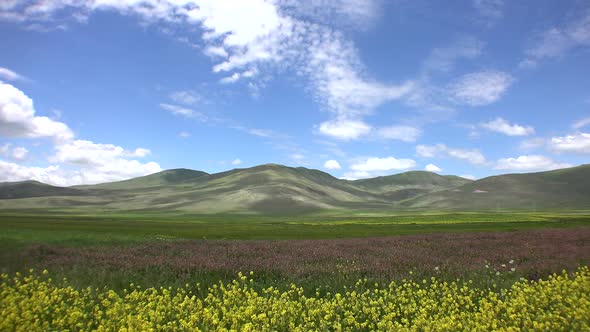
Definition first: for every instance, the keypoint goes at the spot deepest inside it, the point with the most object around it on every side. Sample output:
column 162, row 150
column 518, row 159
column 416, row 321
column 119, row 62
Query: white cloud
column 581, row 123
column 345, row 13
column 248, row 37
column 480, row 88
column 60, row 176
column 468, row 176
column 297, row 156
column 183, row 111
column 332, row 164
column 18, row 119
column 432, row 168
column 19, row 153
column 383, row 164
column 402, row 133
column 230, row 79
column 87, row 153
column 216, row 51
column 472, row 156
column 558, row 40
column 258, row 132
column 371, row 167
column 529, row 163
column 185, row 97
column 9, row 75
column 426, row 94
column 502, row 126
column 344, row 129
column 11, row 172
column 139, row 152
column 236, row 161
column 577, row 143
column 184, row 134
column 79, row 161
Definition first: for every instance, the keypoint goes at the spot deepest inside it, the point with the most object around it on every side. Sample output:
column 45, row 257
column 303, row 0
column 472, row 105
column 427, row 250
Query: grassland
column 324, row 254
column 20, row 228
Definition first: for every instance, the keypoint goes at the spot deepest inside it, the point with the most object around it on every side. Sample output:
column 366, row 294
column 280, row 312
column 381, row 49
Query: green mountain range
column 276, row 189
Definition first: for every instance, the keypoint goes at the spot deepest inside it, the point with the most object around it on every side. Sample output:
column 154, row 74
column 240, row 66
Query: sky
column 104, row 90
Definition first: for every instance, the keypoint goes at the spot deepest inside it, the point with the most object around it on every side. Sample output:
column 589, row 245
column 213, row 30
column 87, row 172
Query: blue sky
column 103, row 90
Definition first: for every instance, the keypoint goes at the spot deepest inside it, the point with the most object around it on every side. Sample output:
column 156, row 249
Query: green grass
column 20, row 229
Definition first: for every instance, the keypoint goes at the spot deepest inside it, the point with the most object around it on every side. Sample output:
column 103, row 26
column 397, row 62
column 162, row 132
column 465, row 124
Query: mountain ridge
column 278, row 189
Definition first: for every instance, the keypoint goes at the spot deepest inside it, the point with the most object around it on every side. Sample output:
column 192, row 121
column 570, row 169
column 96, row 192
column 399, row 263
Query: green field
column 72, row 229
column 324, row 254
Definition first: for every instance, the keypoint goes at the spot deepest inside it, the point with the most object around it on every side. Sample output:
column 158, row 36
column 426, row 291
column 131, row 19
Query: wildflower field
column 77, row 275
column 560, row 303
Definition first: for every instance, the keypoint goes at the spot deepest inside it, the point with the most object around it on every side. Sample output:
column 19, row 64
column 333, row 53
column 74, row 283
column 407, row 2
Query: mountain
column 558, row 189
column 26, row 189
column 409, row 184
column 277, row 189
column 164, row 178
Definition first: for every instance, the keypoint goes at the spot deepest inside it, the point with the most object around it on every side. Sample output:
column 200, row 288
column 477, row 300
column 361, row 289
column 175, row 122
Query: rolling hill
column 26, row 189
column 277, row 189
column 567, row 188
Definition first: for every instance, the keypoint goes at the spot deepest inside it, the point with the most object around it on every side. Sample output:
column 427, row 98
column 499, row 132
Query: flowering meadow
column 561, row 302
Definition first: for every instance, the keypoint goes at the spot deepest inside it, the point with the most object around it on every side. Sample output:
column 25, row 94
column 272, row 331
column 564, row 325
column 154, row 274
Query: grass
column 20, row 229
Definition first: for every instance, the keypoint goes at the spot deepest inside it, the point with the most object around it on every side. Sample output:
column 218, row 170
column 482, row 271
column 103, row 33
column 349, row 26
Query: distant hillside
column 564, row 188
column 422, row 180
column 164, row 178
column 276, row 189
column 25, row 189
column 264, row 189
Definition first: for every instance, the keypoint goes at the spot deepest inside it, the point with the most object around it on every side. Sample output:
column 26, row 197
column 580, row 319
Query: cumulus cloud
column 472, row 156
column 17, row 153
column 468, row 176
column 502, row 126
column 432, row 168
column 64, row 176
column 236, row 162
column 344, row 129
column 402, row 133
column 247, row 38
column 75, row 161
column 18, row 119
column 480, row 88
column 529, row 163
column 374, row 166
column 20, row 153
column 576, row 143
column 332, row 164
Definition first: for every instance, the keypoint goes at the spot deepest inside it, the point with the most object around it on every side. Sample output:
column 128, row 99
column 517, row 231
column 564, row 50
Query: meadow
column 413, row 271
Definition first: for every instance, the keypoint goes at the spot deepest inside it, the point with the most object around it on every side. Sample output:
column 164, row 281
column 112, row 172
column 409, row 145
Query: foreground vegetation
column 560, row 303
column 450, row 271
